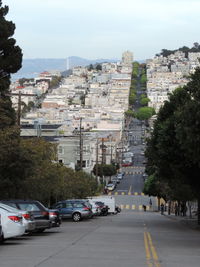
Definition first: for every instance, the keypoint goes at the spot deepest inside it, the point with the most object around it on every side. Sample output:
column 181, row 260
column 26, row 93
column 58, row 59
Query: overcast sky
column 103, row 28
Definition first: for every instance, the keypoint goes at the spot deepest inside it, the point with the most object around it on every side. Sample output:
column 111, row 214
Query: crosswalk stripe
column 129, row 193
column 133, row 207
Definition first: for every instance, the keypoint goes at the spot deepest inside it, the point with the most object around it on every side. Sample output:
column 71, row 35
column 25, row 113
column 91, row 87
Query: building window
column 83, row 163
column 60, row 150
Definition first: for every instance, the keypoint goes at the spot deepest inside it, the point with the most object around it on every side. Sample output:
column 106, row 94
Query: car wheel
column 76, row 217
column 2, row 239
column 40, row 230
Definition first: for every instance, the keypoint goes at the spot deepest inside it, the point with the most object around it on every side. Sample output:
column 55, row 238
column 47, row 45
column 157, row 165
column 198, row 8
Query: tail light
column 52, row 213
column 15, row 218
column 26, row 216
column 86, row 208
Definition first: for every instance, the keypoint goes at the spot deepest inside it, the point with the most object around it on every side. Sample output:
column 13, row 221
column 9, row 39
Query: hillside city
column 99, row 162
column 84, row 99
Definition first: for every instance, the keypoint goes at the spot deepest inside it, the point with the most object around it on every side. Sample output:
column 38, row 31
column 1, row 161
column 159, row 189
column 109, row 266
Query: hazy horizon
column 91, row 29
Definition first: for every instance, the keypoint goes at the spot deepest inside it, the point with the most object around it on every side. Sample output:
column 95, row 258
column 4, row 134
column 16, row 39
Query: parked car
column 110, row 186
column 103, row 208
column 11, row 223
column 119, row 176
column 27, row 218
column 40, row 212
column 75, row 209
column 116, row 181
column 1, row 233
column 55, row 217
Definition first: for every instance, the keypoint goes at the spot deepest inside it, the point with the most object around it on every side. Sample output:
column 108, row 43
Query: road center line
column 148, row 255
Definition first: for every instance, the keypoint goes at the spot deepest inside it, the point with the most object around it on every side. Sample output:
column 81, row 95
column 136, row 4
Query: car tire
column 2, row 239
column 40, row 230
column 76, row 217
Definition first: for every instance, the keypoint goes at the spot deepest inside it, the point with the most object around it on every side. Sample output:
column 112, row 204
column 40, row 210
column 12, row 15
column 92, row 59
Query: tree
column 91, row 67
column 10, row 62
column 98, row 67
column 14, row 163
column 130, row 113
column 173, row 150
column 144, row 101
column 145, row 113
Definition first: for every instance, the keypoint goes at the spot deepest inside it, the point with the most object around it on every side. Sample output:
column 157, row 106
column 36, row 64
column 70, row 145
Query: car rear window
column 11, row 204
column 29, row 206
column 79, row 205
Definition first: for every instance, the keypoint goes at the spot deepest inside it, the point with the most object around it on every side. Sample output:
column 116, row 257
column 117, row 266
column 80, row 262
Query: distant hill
column 32, row 67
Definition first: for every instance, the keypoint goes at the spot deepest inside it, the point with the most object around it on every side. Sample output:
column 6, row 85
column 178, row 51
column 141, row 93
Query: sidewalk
column 187, row 221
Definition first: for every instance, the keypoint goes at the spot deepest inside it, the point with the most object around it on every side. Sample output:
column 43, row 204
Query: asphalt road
column 131, row 238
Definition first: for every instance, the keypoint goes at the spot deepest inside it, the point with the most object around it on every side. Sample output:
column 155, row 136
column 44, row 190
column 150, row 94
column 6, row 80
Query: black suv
column 40, row 212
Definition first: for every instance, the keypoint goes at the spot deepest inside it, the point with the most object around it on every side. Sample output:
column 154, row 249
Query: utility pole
column 97, row 159
column 19, row 103
column 19, row 109
column 81, row 145
column 111, row 154
column 102, row 151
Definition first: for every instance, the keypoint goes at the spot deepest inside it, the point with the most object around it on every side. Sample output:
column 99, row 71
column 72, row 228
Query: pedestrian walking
column 150, row 203
column 144, row 207
column 176, row 209
column 162, row 208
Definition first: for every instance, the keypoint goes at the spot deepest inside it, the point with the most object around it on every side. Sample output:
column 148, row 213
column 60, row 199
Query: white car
column 1, row 234
column 27, row 217
column 110, row 187
column 12, row 225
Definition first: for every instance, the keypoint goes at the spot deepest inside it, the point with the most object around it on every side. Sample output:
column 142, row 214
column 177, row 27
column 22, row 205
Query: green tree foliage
column 105, row 169
column 144, row 101
column 91, row 67
column 130, row 113
column 14, row 162
column 132, row 98
column 10, row 62
column 173, row 150
column 184, row 49
column 135, row 70
column 145, row 113
column 29, row 169
column 98, row 67
column 55, row 82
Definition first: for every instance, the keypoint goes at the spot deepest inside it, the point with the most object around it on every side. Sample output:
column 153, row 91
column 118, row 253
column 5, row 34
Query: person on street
column 162, row 208
column 150, row 203
column 176, row 209
column 144, row 207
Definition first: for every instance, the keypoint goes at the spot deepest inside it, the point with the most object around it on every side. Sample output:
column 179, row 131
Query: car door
column 65, row 209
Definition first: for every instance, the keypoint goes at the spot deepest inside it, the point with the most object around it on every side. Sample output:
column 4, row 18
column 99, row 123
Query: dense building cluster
column 85, row 113
column 165, row 74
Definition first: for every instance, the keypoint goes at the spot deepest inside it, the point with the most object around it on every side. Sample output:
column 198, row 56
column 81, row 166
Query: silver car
column 27, row 218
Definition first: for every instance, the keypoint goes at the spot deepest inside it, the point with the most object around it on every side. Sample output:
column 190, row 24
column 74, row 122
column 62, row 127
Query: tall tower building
column 127, row 58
